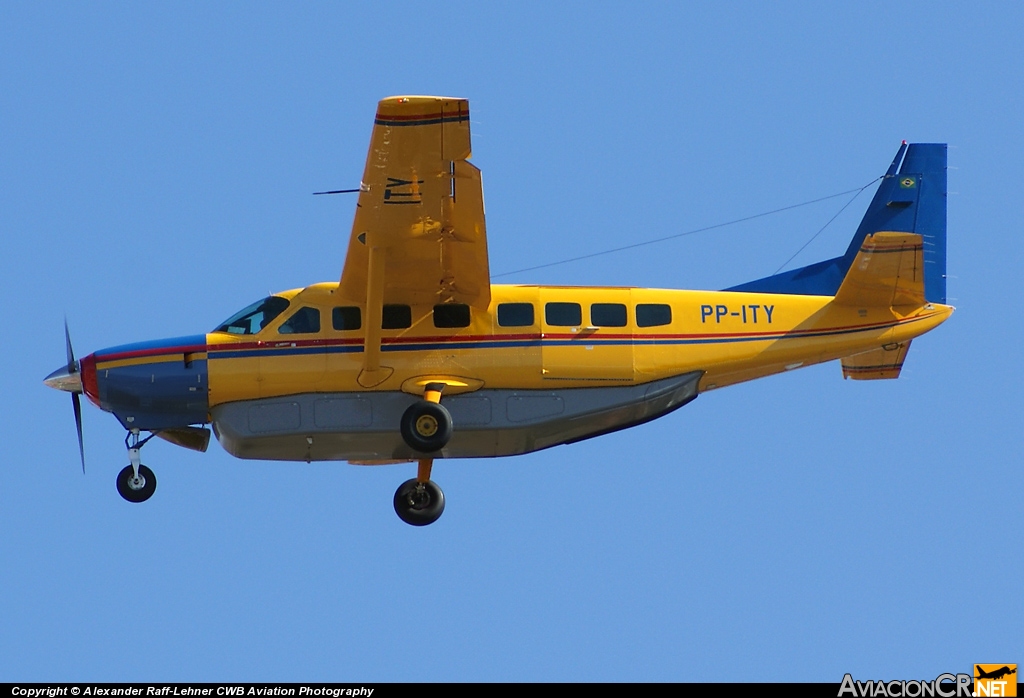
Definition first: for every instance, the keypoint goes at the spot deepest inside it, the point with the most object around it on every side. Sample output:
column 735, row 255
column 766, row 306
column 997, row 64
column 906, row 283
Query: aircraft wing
column 888, row 271
column 419, row 221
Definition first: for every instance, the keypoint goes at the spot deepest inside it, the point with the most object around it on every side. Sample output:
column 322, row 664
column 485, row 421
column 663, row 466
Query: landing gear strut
column 420, row 501
column 136, row 483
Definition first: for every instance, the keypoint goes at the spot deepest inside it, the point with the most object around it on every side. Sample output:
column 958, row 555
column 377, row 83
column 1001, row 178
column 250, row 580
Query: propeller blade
column 76, row 401
column 77, row 404
column 72, row 368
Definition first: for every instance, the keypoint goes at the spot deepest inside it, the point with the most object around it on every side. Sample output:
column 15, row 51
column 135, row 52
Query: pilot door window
column 563, row 314
column 305, row 320
column 346, row 318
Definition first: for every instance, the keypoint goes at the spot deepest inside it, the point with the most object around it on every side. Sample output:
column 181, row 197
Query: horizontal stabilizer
column 879, row 364
column 888, row 271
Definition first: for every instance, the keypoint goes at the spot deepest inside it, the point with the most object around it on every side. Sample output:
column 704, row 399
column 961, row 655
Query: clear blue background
column 156, row 165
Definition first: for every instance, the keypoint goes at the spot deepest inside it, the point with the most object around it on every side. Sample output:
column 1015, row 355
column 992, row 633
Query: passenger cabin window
column 254, row 318
column 563, row 314
column 346, row 318
column 396, row 317
column 608, row 315
column 515, row 314
column 653, row 314
column 451, row 315
column 305, row 321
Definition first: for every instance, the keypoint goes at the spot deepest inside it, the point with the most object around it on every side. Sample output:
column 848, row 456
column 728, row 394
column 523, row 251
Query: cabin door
column 293, row 358
column 586, row 337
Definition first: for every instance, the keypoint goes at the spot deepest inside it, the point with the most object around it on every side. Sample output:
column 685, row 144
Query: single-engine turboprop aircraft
column 415, row 355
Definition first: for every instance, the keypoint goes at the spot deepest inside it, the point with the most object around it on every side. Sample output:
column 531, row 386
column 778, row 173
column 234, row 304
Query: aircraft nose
column 63, row 379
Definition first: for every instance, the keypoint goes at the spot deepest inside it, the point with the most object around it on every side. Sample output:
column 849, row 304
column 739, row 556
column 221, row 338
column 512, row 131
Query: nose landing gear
column 136, row 488
column 136, row 483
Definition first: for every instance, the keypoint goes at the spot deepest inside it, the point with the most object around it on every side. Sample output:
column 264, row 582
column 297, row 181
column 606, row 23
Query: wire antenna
column 845, row 206
column 856, row 191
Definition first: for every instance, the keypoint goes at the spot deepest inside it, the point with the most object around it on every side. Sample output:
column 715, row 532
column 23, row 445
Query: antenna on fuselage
column 362, row 187
column 337, row 191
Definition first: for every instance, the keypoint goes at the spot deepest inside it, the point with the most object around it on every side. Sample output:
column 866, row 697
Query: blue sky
column 156, row 165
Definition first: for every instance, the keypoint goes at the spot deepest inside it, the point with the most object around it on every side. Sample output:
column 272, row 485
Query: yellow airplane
column 416, row 355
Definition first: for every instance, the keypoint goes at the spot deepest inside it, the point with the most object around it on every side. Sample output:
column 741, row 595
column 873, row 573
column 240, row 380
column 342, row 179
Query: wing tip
column 419, row 99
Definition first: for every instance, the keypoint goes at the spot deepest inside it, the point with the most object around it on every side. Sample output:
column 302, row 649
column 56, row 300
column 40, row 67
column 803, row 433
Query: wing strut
column 373, row 373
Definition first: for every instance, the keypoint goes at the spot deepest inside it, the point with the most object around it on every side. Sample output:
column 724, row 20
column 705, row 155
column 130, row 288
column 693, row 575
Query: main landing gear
column 426, row 427
column 136, row 483
column 420, row 501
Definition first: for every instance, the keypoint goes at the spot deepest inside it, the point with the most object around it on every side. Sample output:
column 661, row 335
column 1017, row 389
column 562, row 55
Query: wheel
column 419, row 503
column 136, row 490
column 426, row 426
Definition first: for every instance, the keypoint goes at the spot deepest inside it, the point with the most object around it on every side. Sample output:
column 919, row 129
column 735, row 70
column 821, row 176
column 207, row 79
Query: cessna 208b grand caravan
column 415, row 355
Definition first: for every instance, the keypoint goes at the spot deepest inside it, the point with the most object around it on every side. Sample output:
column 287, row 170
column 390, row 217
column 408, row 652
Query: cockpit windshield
column 255, row 317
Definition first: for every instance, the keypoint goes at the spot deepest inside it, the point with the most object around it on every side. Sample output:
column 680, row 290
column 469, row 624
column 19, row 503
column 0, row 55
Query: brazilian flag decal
column 908, row 182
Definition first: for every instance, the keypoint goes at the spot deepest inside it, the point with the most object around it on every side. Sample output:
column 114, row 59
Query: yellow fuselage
column 731, row 337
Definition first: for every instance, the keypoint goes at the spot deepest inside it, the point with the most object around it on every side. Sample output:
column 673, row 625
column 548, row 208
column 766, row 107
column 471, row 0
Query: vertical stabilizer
column 910, row 199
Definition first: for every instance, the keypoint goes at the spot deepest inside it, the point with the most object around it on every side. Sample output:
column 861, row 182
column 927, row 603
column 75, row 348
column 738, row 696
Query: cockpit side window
column 254, row 318
column 305, row 320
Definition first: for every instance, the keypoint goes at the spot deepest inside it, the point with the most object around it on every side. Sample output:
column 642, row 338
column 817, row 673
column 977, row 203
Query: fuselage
column 532, row 341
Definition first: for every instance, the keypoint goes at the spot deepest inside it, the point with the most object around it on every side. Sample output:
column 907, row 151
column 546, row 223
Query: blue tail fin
column 910, row 199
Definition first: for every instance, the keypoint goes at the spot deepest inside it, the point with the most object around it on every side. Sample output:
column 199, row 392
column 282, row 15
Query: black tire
column 133, row 492
column 426, row 426
column 419, row 504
